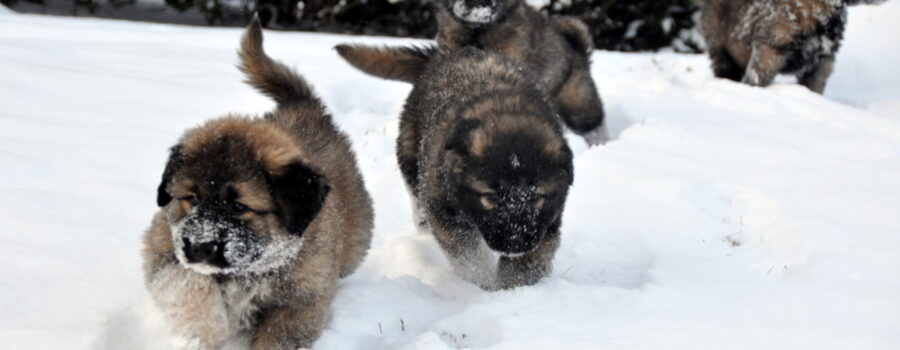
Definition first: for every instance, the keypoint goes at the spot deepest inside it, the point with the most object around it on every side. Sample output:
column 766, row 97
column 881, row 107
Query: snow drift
column 720, row 216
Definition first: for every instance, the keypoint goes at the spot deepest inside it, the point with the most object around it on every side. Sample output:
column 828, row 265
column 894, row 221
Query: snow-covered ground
column 720, row 217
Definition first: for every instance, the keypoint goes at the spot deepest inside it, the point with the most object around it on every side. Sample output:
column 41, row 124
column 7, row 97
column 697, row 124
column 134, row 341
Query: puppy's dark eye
column 238, row 208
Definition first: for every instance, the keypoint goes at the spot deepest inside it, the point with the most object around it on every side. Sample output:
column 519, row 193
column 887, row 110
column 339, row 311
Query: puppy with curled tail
column 482, row 152
column 259, row 217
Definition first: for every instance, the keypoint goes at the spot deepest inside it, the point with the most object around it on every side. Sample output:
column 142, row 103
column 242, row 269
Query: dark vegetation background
column 623, row 25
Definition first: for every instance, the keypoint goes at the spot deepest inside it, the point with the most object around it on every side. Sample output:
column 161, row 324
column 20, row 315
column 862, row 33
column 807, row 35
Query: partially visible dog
column 483, row 153
column 752, row 41
column 557, row 50
column 259, row 218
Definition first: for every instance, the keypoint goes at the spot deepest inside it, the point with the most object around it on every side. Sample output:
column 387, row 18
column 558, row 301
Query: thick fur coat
column 556, row 50
column 752, row 41
column 483, row 155
column 258, row 218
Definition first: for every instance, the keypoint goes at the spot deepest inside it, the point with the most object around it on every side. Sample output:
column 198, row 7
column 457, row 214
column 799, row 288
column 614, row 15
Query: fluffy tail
column 394, row 63
column 866, row 2
column 266, row 75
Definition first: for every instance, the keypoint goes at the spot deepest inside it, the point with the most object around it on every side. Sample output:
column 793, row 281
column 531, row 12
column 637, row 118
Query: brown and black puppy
column 484, row 156
column 556, row 50
column 752, row 41
column 259, row 218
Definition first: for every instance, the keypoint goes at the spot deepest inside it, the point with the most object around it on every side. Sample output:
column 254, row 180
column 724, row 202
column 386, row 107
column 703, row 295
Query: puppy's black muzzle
column 211, row 253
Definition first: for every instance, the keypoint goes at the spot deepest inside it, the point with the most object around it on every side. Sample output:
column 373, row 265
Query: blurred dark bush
column 624, row 25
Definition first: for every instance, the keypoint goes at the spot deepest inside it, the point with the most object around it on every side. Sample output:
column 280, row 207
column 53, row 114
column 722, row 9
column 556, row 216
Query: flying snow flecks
column 771, row 11
column 481, row 14
column 514, row 161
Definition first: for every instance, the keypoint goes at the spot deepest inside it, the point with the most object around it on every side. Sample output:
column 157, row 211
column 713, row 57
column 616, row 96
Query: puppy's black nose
column 203, row 252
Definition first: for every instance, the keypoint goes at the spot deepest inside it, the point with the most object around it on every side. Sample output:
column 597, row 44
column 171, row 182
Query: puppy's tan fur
column 752, row 41
column 483, row 154
column 557, row 50
column 285, row 305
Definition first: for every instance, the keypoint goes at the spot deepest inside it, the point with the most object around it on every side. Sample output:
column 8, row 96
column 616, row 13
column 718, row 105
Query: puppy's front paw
column 192, row 304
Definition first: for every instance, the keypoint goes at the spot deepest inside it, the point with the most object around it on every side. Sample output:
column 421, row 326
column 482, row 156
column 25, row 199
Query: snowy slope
column 721, row 216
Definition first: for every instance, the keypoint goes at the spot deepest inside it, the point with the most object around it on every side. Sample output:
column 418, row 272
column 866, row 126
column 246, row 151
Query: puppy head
column 239, row 196
column 478, row 12
column 511, row 179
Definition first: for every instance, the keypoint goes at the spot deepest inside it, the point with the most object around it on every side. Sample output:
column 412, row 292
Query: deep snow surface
column 720, row 217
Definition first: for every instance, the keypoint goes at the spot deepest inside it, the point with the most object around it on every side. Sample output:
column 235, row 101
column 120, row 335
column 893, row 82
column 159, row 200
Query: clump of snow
column 481, row 14
column 719, row 215
column 537, row 4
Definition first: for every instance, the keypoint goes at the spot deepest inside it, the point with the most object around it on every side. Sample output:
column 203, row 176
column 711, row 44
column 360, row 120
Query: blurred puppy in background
column 752, row 41
column 557, row 50
column 259, row 218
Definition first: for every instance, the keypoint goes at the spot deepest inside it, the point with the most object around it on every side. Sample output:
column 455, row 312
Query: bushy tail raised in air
column 864, row 2
column 272, row 78
column 394, row 63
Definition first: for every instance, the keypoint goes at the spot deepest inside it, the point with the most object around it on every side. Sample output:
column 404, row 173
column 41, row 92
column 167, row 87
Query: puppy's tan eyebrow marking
column 250, row 194
column 479, row 186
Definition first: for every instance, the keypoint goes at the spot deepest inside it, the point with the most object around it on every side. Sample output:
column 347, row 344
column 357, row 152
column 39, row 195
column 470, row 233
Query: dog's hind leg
column 580, row 107
column 817, row 77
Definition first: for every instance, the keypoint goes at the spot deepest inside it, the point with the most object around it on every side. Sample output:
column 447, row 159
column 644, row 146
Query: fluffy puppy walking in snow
column 259, row 218
column 483, row 153
column 557, row 50
column 752, row 41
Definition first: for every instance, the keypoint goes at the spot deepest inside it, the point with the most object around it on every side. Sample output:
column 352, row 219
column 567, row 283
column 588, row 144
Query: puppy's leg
column 407, row 145
column 291, row 328
column 764, row 65
column 528, row 269
column 816, row 78
column 469, row 256
column 580, row 106
column 724, row 66
column 193, row 302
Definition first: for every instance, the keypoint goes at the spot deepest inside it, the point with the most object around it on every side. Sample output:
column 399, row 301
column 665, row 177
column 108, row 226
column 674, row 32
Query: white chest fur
column 243, row 301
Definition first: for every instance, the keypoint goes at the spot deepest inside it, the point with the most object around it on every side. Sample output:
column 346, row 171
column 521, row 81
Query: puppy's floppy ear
column 467, row 138
column 175, row 161
column 395, row 63
column 576, row 33
column 299, row 193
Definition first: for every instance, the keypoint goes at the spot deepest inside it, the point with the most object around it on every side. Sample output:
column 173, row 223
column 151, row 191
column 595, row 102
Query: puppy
column 556, row 50
column 752, row 41
column 259, row 218
column 483, row 154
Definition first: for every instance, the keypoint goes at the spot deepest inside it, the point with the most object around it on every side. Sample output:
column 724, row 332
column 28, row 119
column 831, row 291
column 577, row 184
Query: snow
column 719, row 216
column 480, row 14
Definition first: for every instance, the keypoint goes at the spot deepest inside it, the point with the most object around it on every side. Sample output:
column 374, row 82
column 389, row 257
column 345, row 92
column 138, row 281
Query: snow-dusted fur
column 259, row 218
column 485, row 158
column 557, row 50
column 754, row 40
